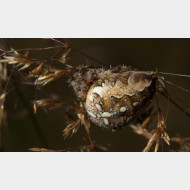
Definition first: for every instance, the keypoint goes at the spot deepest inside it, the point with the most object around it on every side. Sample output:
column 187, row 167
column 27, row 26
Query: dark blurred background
column 167, row 55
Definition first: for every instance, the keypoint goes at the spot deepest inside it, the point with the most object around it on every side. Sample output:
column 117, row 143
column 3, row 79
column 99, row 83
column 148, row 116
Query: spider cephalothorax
column 113, row 97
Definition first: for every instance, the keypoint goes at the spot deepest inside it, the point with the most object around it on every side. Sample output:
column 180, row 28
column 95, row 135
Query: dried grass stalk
column 158, row 134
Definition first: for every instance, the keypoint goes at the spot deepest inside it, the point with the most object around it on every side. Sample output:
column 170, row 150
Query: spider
column 116, row 97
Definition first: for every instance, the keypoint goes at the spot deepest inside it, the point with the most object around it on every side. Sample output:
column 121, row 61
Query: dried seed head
column 50, row 104
column 64, row 58
column 51, row 75
column 19, row 60
column 36, row 71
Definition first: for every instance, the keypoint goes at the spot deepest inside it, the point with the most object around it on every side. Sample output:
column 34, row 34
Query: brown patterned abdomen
column 116, row 98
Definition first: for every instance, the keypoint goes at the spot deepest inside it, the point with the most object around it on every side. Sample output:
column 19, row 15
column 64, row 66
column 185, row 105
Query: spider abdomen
column 116, row 98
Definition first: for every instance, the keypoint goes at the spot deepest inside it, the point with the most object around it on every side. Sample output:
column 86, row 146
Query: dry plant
column 3, row 88
column 102, row 98
column 183, row 142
